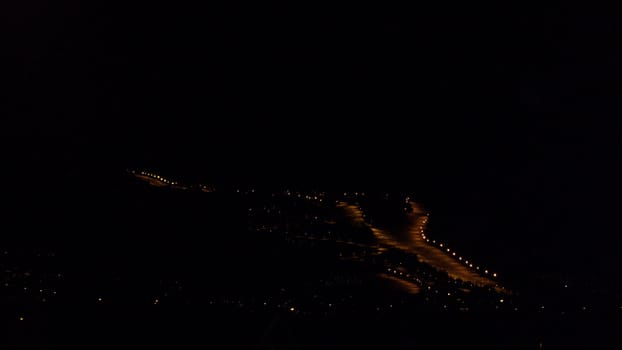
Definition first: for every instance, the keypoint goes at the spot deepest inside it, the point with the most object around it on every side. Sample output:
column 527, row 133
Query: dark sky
column 188, row 81
column 276, row 91
column 510, row 108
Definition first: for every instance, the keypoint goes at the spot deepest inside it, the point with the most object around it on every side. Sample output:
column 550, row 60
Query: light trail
column 407, row 286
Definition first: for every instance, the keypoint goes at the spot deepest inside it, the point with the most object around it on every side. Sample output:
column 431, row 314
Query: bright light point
column 454, row 253
column 21, row 318
column 441, row 244
column 494, row 275
column 291, row 309
column 485, row 271
column 500, row 300
column 99, row 299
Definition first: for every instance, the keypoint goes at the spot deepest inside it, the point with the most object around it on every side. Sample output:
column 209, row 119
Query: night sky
column 503, row 115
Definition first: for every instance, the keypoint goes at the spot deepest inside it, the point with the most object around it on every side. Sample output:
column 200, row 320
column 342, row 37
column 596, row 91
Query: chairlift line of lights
column 165, row 180
column 155, row 177
column 448, row 250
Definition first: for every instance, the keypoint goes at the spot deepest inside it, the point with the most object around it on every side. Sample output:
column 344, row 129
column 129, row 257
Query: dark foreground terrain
column 124, row 263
